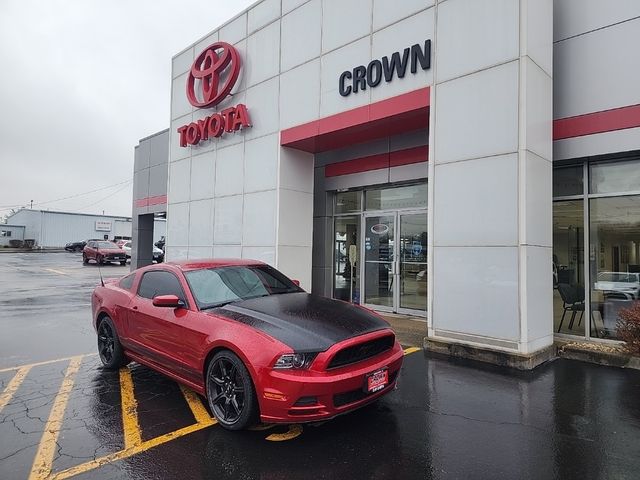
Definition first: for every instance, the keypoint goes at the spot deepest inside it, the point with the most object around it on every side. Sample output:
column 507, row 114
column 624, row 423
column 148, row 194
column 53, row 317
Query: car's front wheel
column 85, row 260
column 109, row 348
column 230, row 391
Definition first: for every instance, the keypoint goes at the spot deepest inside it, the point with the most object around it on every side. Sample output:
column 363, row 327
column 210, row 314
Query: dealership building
column 473, row 163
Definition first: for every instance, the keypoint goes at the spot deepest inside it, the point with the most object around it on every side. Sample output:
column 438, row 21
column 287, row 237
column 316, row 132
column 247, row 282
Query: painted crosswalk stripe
column 44, row 456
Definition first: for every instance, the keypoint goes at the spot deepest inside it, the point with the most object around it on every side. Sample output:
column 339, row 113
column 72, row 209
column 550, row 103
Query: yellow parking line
column 132, row 436
column 128, row 452
column 199, row 412
column 294, row 431
column 44, row 456
column 59, row 272
column 12, row 386
column 409, row 350
column 46, row 362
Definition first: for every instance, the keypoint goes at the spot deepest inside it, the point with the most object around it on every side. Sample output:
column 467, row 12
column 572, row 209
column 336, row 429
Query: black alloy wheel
column 230, row 391
column 109, row 347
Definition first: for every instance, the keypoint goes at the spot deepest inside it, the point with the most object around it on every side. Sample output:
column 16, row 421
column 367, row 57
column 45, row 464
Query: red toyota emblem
column 218, row 62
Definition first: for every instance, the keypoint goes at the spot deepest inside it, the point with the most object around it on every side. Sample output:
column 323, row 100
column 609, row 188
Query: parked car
column 103, row 251
column 621, row 284
column 121, row 242
column 158, row 255
column 75, row 246
column 249, row 339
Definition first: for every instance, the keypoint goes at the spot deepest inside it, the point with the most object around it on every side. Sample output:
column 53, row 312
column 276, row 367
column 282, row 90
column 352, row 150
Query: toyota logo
column 217, row 63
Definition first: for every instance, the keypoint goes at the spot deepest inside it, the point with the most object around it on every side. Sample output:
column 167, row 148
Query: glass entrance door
column 395, row 262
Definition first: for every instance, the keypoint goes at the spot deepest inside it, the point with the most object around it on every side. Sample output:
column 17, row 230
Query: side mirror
column 296, row 282
column 170, row 301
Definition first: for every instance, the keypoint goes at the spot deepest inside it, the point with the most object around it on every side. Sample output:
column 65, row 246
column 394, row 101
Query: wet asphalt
column 450, row 419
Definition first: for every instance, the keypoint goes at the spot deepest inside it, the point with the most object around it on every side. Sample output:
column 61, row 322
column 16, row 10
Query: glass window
column 568, row 267
column 614, row 259
column 615, row 177
column 156, row 283
column 348, row 202
column 567, row 181
column 127, row 282
column 346, row 280
column 214, row 287
column 411, row 196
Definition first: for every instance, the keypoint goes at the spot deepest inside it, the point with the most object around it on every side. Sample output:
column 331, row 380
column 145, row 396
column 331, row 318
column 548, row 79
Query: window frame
column 158, row 270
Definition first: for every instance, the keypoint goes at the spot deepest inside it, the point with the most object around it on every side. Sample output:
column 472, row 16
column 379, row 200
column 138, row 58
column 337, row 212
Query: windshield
column 107, row 245
column 215, row 287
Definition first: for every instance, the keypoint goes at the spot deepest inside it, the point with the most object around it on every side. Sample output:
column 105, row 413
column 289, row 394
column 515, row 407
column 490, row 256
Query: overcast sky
column 81, row 81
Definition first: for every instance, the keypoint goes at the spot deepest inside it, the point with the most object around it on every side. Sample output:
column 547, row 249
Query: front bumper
column 335, row 392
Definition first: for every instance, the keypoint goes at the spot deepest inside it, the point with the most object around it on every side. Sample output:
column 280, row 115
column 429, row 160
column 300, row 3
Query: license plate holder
column 376, row 381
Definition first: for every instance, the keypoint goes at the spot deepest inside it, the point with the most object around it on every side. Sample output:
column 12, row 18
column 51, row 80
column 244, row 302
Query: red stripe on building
column 400, row 114
column 150, row 201
column 377, row 162
column 597, row 122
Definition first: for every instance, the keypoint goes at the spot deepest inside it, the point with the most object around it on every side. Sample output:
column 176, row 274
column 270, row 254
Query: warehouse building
column 472, row 163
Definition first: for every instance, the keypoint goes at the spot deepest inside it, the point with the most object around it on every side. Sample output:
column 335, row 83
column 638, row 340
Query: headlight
column 295, row 360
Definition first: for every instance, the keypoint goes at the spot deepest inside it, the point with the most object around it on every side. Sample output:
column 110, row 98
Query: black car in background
column 75, row 246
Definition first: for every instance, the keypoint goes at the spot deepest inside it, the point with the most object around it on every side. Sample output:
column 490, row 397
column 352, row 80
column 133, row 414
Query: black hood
column 305, row 322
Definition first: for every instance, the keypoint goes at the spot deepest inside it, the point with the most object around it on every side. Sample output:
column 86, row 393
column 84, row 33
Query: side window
column 127, row 282
column 160, row 283
column 91, row 244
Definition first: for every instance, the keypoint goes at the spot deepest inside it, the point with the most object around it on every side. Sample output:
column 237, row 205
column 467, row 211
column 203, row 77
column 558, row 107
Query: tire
column 230, row 392
column 85, row 260
column 99, row 260
column 109, row 348
column 123, row 262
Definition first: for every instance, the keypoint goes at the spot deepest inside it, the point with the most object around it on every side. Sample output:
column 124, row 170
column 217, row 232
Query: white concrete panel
column 181, row 63
column 203, row 169
column 263, row 13
column 199, row 252
column 475, row 35
column 228, row 220
column 601, row 143
column 386, row 12
column 296, row 218
column 201, row 223
column 596, row 72
column 344, row 21
column 538, row 39
column 301, row 35
column 537, row 110
column 262, row 103
column 476, row 202
column 180, row 106
column 263, row 54
column 573, row 17
column 296, row 170
column 259, row 219
column 227, row 251
column 538, row 218
column 332, row 66
column 295, row 263
column 178, row 224
column 229, row 170
column 176, row 152
column 414, row 30
column 262, row 254
column 477, row 115
column 538, row 301
column 205, row 42
column 299, row 94
column 261, row 163
column 235, row 30
column 288, row 5
column 180, row 181
column 174, row 254
column 477, row 291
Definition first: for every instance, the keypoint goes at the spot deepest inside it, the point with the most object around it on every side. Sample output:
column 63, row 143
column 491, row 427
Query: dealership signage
column 211, row 79
column 358, row 78
column 102, row 226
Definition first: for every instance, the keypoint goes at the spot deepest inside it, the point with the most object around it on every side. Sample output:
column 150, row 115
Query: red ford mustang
column 249, row 339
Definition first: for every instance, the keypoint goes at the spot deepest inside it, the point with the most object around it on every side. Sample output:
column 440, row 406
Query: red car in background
column 102, row 251
column 249, row 339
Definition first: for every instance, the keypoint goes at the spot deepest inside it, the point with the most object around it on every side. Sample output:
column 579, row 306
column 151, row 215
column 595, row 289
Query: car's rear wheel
column 230, row 391
column 109, row 347
column 85, row 260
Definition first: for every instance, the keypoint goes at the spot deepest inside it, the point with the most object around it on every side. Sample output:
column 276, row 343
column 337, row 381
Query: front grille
column 361, row 351
column 353, row 396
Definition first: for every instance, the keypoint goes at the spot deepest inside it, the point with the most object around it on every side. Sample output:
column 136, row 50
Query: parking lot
column 62, row 416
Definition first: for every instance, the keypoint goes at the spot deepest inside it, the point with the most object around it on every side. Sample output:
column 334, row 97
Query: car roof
column 199, row 264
